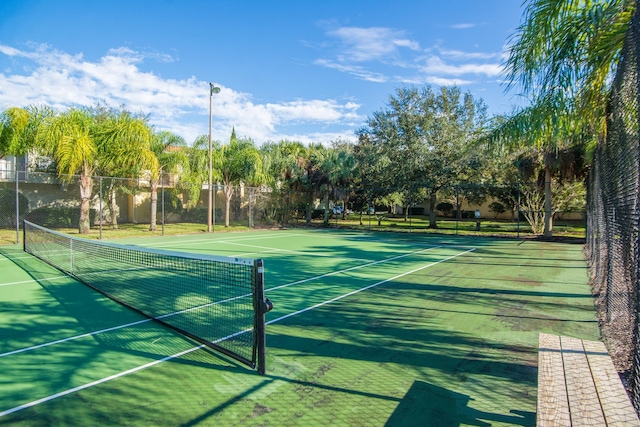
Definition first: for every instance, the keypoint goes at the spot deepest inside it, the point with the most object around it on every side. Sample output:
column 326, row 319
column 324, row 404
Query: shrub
column 445, row 207
column 8, row 207
column 55, row 217
column 497, row 208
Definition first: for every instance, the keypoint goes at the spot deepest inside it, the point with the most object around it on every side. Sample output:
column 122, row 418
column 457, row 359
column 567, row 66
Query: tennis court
column 367, row 329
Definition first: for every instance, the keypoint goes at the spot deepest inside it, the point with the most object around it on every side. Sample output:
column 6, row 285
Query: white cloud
column 436, row 66
column 356, row 70
column 374, row 43
column 463, row 26
column 46, row 76
column 461, row 55
column 442, row 81
column 370, row 53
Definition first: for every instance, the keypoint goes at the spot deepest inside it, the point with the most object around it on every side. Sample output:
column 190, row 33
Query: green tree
column 170, row 153
column 341, row 177
column 123, row 141
column 422, row 137
column 284, row 163
column 563, row 56
column 19, row 129
column 239, row 162
column 196, row 172
column 497, row 208
column 333, row 168
column 313, row 179
column 69, row 138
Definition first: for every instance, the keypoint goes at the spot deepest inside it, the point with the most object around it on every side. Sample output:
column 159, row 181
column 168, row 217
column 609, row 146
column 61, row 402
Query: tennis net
column 218, row 301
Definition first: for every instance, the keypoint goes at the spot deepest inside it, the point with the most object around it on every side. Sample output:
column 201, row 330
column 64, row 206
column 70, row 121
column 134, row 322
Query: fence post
column 162, row 202
column 213, row 214
column 410, row 209
column 17, row 202
column 100, row 217
column 457, row 210
column 518, row 211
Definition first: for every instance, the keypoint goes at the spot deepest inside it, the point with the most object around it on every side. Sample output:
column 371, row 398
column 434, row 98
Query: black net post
column 261, row 306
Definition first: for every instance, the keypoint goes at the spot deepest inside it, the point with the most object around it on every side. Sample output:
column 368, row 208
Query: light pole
column 212, row 89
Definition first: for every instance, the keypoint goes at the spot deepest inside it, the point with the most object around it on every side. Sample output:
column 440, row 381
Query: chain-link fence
column 613, row 220
column 112, row 203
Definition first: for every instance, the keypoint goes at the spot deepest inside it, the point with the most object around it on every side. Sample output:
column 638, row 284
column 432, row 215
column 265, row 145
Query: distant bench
column 578, row 385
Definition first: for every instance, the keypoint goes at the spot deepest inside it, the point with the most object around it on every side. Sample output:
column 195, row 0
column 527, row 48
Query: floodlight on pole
column 212, row 89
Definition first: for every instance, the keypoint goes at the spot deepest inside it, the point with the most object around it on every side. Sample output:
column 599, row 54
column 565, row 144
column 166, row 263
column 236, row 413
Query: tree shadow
column 426, row 404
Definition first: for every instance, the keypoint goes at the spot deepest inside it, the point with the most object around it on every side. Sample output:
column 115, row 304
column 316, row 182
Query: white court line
column 205, row 241
column 75, row 337
column 34, row 280
column 367, row 287
column 182, row 353
column 5, row 258
column 60, row 341
column 291, row 251
column 94, row 383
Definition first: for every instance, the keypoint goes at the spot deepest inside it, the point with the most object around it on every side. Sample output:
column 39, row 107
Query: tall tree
column 70, row 138
column 335, row 166
column 562, row 56
column 169, row 150
column 19, row 129
column 123, row 142
column 196, row 172
column 285, row 164
column 422, row 137
column 238, row 162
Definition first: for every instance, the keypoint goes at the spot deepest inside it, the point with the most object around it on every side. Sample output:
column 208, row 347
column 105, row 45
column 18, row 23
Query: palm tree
column 169, row 150
column 314, row 178
column 335, row 166
column 19, row 127
column 285, row 163
column 124, row 145
column 196, row 172
column 563, row 56
column 70, row 138
column 236, row 163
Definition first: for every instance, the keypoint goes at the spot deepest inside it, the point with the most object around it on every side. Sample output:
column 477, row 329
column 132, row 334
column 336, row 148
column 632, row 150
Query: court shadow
column 429, row 405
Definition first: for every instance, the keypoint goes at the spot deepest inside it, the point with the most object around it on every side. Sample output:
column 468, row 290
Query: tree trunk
column 433, row 199
column 113, row 206
column 326, row 205
column 345, row 200
column 308, row 208
column 154, row 205
column 548, row 218
column 86, row 185
column 228, row 192
column 287, row 209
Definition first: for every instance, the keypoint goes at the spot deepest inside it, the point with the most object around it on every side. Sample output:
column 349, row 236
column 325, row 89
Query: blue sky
column 311, row 71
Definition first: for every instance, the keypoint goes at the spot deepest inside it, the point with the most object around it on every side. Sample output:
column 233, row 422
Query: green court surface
column 367, row 330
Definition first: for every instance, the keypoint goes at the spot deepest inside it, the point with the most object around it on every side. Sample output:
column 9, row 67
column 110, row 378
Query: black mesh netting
column 612, row 220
